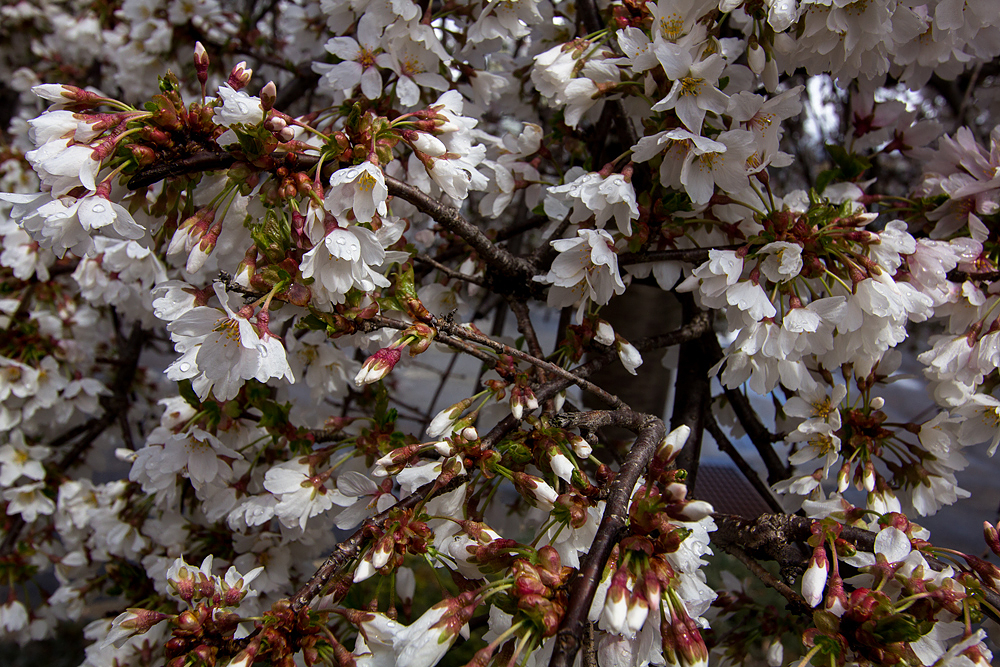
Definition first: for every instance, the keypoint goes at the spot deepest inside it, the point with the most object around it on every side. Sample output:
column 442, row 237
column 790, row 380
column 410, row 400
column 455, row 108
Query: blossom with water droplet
column 237, row 107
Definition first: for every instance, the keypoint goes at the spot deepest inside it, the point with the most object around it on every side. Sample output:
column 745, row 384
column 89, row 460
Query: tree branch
column 762, row 439
column 449, row 217
column 481, row 339
column 349, row 548
column 649, row 433
column 693, row 255
column 451, row 273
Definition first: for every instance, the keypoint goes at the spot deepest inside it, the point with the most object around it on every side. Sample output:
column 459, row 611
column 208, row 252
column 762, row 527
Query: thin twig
column 762, row 439
column 451, row 219
column 481, row 339
column 527, row 330
column 693, row 255
column 451, row 273
column 796, row 601
column 351, row 547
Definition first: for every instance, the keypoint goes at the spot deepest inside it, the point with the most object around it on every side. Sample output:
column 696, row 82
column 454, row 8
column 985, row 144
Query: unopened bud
column 268, row 95
column 378, row 366
column 992, row 537
column 581, row 447
column 756, row 58
column 814, row 579
column 672, row 443
column 201, row 62
column 536, row 489
column 770, row 76
column 240, row 76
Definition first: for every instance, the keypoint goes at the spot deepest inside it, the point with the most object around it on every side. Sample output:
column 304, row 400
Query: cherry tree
column 246, row 247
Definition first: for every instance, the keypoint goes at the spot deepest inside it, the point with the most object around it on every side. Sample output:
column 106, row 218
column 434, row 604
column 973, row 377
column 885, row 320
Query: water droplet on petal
column 263, row 350
column 98, row 208
column 185, row 367
column 341, row 241
column 242, row 107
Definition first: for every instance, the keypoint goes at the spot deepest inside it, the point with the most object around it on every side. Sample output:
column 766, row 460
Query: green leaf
column 187, row 393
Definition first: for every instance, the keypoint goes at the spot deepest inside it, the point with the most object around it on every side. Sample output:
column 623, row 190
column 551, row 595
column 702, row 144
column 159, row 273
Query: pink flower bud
column 201, row 62
column 992, row 537
column 240, row 76
column 378, row 366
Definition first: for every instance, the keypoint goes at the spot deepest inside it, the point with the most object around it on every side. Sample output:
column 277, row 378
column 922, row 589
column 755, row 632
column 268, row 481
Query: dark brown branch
column 693, row 395
column 762, row 439
column 693, row 255
column 480, row 339
column 380, row 322
column 200, row 161
column 527, row 330
column 451, row 273
column 451, row 219
column 649, row 433
column 351, row 547
column 698, row 326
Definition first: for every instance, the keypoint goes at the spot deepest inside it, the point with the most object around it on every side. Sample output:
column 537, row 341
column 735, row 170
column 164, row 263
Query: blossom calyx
column 522, row 399
column 420, row 337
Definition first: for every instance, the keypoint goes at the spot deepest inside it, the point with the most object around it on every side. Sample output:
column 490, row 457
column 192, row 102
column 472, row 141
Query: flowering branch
column 351, row 547
column 649, row 432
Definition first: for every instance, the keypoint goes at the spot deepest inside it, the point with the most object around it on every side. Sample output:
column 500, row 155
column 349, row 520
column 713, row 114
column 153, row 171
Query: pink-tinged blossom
column 220, row 350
